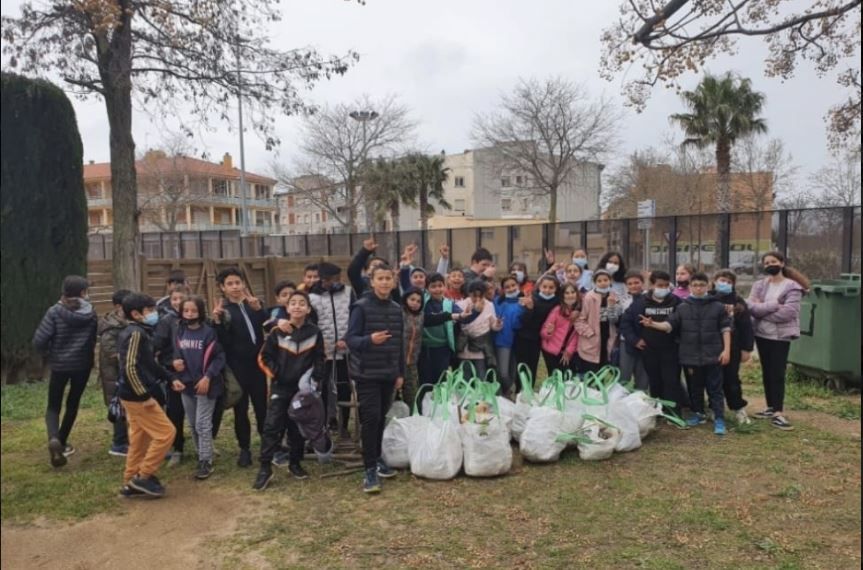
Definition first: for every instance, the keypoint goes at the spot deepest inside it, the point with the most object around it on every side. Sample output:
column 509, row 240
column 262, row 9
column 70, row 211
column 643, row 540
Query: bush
column 43, row 208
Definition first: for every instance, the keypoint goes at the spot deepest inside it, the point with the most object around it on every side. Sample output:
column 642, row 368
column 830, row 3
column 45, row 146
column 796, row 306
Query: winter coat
column 588, row 327
column 414, row 330
column 700, row 324
column 67, row 336
column 369, row 361
column 202, row 355
column 108, row 331
column 234, row 336
column 743, row 334
column 164, row 334
column 287, row 357
column 776, row 320
column 630, row 323
column 141, row 376
column 533, row 319
column 511, row 311
column 333, row 309
column 562, row 339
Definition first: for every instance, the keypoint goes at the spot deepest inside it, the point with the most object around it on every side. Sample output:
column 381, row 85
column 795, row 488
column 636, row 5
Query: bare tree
column 676, row 37
column 545, row 129
column 645, row 175
column 166, row 185
column 202, row 53
column 838, row 183
column 335, row 146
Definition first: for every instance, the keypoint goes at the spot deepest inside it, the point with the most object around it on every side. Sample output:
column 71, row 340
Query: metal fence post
column 424, row 248
column 510, row 246
column 847, row 238
column 782, row 231
column 545, row 240
column 306, row 244
column 624, row 239
column 329, row 244
column 583, row 236
column 672, row 246
column 725, row 240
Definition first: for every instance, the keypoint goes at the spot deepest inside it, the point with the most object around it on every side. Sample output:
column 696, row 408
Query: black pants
column 217, row 415
column 432, row 363
column 375, row 398
column 707, row 378
column 553, row 362
column 121, row 433
column 254, row 385
column 731, row 382
column 275, row 424
column 343, row 389
column 663, row 374
column 56, row 387
column 176, row 414
column 774, row 359
column 527, row 353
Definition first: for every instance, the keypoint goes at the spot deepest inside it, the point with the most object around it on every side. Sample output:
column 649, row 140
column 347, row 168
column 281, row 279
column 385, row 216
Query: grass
column 757, row 498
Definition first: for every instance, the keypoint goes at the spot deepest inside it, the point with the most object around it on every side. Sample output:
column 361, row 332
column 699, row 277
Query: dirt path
column 137, row 539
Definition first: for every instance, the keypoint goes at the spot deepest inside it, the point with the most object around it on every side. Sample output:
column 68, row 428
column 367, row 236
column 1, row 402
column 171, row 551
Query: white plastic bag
column 620, row 416
column 436, row 450
column 617, row 392
column 487, row 452
column 398, row 410
column 645, row 411
column 521, row 409
column 539, row 439
column 395, row 447
column 507, row 411
column 603, row 440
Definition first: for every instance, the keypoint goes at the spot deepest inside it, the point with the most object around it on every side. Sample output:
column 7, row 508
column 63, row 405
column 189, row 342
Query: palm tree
column 722, row 109
column 424, row 177
column 383, row 184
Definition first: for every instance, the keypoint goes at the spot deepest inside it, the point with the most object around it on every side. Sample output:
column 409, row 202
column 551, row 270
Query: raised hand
column 219, row 310
column 370, row 244
column 444, row 251
column 549, row 256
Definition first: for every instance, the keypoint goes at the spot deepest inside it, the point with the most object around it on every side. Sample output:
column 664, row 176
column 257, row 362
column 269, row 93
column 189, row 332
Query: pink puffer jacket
column 776, row 320
column 553, row 342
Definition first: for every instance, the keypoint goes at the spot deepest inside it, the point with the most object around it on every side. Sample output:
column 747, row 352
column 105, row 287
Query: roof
column 102, row 170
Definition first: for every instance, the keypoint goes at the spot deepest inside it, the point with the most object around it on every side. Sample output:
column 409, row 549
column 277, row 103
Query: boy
column 163, row 345
column 67, row 336
column 438, row 340
column 630, row 358
column 278, row 313
column 455, row 284
column 286, row 358
column 480, row 263
column 141, row 389
column 365, row 261
column 658, row 350
column 239, row 319
column 742, row 341
column 176, row 280
column 108, row 331
column 704, row 328
column 331, row 301
column 377, row 365
column 310, row 277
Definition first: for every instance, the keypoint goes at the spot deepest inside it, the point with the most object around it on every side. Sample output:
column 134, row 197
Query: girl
column 597, row 323
column 455, row 284
column 616, row 267
column 775, row 306
column 573, row 274
column 519, row 271
column 475, row 343
column 199, row 359
column 537, row 308
column 579, row 257
column 559, row 339
column 509, row 309
column 682, row 276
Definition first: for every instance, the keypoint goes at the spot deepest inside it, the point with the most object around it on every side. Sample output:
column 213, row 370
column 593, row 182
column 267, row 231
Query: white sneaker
column 742, row 417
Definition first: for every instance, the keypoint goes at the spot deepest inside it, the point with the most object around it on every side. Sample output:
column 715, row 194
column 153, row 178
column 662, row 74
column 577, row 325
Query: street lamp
column 243, row 198
column 364, row 117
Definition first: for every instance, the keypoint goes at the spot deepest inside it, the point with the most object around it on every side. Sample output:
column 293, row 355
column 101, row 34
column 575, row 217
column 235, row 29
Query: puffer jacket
column 376, row 362
column 510, row 310
column 563, row 339
column 67, row 336
column 700, row 323
column 588, row 327
column 776, row 320
column 287, row 357
column 742, row 337
column 109, row 363
column 333, row 310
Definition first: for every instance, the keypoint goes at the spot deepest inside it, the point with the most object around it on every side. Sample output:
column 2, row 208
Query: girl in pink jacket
column 559, row 339
column 597, row 324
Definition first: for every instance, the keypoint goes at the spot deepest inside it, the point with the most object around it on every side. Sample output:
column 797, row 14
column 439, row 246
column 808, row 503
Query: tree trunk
column 424, row 205
column 351, row 192
column 552, row 205
column 723, row 176
column 394, row 214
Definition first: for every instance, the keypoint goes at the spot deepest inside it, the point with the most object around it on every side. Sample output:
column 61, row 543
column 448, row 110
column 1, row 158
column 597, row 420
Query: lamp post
column 364, row 117
column 243, row 198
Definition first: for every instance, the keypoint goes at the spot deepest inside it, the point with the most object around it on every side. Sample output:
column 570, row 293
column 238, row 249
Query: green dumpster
column 829, row 344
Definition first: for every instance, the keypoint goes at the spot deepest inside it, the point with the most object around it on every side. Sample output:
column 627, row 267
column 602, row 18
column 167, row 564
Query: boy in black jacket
column 288, row 357
column 239, row 320
column 163, row 344
column 658, row 350
column 141, row 388
column 742, row 341
column 704, row 328
column 377, row 365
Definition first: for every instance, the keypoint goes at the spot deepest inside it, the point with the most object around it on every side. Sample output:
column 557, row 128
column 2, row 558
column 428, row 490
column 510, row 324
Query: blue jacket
column 511, row 311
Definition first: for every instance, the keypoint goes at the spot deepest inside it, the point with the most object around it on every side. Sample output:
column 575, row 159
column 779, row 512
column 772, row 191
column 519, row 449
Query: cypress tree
column 43, row 209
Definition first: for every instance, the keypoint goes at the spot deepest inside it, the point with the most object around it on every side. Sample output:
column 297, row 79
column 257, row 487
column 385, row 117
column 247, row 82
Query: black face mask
column 772, row 270
column 683, row 283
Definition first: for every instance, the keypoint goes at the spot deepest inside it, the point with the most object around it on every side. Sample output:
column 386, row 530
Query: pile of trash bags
column 464, row 424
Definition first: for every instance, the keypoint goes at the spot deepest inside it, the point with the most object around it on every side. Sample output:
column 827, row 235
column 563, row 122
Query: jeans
column 710, row 378
column 478, row 365
column 774, row 358
column 433, row 362
column 632, row 364
column 375, row 397
column 275, row 424
column 56, row 388
column 506, row 368
column 199, row 411
column 121, row 433
column 343, row 391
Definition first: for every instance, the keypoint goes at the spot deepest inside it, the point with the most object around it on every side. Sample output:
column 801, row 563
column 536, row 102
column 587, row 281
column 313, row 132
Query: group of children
column 393, row 330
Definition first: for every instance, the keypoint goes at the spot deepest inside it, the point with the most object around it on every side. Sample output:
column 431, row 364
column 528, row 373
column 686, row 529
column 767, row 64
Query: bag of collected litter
column 435, row 448
column 630, row 437
column 484, row 437
column 399, row 409
column 603, row 438
column 395, row 447
column 523, row 402
column 539, row 442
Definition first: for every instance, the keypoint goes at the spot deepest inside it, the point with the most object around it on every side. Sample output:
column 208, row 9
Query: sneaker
column 742, row 417
column 128, row 492
column 263, row 479
column 205, row 469
column 385, row 470
column 245, row 458
column 696, row 419
column 765, row 414
column 719, row 426
column 118, row 450
column 175, row 459
column 780, row 422
column 68, row 450
column 55, row 448
column 151, row 486
column 371, row 483
column 297, row 471
column 281, row 459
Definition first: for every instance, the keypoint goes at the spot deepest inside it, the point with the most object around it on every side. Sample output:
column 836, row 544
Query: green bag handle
column 421, row 392
column 466, row 363
column 600, row 421
column 524, row 376
column 556, row 393
column 576, row 436
column 608, row 375
column 602, row 388
column 573, row 390
column 493, row 373
column 674, row 418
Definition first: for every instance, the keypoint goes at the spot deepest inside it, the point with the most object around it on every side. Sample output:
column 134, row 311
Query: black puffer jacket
column 700, row 323
column 369, row 361
column 533, row 319
column 67, row 336
column 743, row 336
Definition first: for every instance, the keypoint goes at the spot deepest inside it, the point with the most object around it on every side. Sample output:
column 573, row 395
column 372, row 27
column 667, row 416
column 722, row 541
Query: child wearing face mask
column 163, row 336
column 597, row 323
column 509, row 308
column 528, row 342
column 559, row 338
column 616, row 267
column 519, row 271
column 630, row 360
column 682, row 276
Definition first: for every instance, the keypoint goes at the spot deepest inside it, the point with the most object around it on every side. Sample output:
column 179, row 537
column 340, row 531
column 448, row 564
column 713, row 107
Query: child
column 287, row 357
column 509, row 309
column 331, row 301
column 67, row 336
column 658, row 350
column 361, row 267
column 682, row 276
column 141, row 389
column 579, row 257
column 410, row 276
column 176, row 280
column 742, row 341
column 630, row 357
column 278, row 313
column 163, row 345
column 616, row 267
column 475, row 343
column 199, row 360
column 108, row 330
column 438, row 341
column 310, row 277
column 559, row 339
column 518, row 270
column 597, row 323
column 537, row 309
column 239, row 319
column 480, row 262
column 572, row 273
column 455, row 284
column 377, row 364
column 704, row 329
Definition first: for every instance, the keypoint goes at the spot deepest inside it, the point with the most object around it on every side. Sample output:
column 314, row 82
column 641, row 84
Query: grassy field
column 757, row 498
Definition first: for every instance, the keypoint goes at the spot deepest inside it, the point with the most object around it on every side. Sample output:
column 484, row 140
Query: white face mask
column 519, row 276
column 612, row 267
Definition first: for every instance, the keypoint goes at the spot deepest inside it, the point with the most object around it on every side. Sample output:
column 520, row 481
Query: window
column 291, row 219
column 317, row 218
column 487, row 234
column 220, row 187
column 290, row 201
column 262, row 192
column 506, row 204
column 459, row 181
column 458, row 205
column 505, row 182
column 516, row 233
column 324, row 216
column 519, row 180
column 94, row 190
column 262, row 219
column 95, row 217
column 305, row 218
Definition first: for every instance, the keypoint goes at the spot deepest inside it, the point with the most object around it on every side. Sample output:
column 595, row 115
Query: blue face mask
column 724, row 288
column 696, row 296
column 661, row 293
column 513, row 295
column 151, row 319
column 547, row 296
column 580, row 261
column 602, row 290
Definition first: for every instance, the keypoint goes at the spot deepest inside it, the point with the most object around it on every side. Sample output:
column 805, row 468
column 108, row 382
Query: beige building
column 185, row 194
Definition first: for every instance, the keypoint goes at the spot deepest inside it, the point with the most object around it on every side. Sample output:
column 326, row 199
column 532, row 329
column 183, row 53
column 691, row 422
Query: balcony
column 202, row 201
column 98, row 202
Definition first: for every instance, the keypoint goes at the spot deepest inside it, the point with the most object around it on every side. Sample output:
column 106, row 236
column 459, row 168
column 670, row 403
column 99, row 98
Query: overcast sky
column 449, row 59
